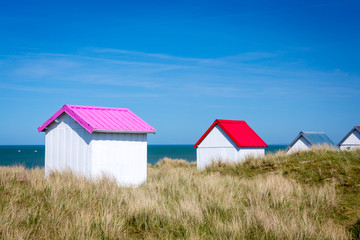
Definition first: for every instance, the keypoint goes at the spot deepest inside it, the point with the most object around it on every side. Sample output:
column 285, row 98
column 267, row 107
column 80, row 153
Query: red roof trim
column 205, row 134
column 219, row 122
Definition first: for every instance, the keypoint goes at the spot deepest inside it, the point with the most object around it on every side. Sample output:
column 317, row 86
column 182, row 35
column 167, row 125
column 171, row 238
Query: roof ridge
column 313, row 132
column 95, row 107
column 231, row 121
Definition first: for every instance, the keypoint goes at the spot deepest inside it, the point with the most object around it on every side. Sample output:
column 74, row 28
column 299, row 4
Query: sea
column 32, row 156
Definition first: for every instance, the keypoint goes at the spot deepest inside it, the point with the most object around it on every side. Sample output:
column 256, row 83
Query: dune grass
column 308, row 195
column 317, row 167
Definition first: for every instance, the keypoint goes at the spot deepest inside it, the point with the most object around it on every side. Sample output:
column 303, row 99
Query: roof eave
column 43, row 127
column 205, row 134
column 66, row 109
column 348, row 134
column 294, row 141
column 120, row 131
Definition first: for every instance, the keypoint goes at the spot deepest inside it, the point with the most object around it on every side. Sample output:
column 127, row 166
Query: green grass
column 317, row 167
column 307, row 195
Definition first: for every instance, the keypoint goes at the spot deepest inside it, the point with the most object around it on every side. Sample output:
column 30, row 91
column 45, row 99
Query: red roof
column 238, row 131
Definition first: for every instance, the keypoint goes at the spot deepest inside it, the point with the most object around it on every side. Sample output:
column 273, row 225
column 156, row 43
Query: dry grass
column 317, row 167
column 176, row 202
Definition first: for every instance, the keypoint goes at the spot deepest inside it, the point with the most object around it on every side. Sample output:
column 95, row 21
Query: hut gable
column 93, row 141
column 217, row 137
column 67, row 145
column 351, row 140
column 305, row 140
column 228, row 140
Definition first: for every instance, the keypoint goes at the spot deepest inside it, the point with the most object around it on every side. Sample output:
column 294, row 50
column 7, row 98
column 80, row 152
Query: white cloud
column 132, row 72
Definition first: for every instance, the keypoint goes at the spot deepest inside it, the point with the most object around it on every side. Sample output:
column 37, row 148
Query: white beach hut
column 93, row 141
column 306, row 140
column 228, row 140
column 351, row 140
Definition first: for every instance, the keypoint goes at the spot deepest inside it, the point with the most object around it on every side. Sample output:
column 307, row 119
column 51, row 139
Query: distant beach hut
column 306, row 140
column 351, row 140
column 92, row 141
column 228, row 141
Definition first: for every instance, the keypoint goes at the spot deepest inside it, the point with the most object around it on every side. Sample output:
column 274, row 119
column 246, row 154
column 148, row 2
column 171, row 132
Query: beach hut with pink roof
column 93, row 141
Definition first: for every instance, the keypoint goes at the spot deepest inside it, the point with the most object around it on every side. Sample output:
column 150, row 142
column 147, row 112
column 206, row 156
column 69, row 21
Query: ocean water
column 33, row 155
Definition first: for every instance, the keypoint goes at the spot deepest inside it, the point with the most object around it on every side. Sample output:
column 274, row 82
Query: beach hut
column 351, row 140
column 305, row 140
column 93, row 141
column 228, row 141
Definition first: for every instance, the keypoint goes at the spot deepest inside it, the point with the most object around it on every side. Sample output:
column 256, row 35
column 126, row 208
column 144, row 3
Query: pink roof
column 239, row 131
column 103, row 119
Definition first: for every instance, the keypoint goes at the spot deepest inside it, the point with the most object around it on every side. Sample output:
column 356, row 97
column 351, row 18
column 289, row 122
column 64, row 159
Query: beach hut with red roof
column 351, row 140
column 228, row 141
column 93, row 141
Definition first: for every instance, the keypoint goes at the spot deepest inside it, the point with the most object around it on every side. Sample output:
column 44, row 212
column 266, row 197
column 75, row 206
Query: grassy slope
column 312, row 195
column 317, row 167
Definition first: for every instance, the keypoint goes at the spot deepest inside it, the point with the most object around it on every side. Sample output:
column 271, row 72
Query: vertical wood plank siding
column 122, row 156
column 217, row 146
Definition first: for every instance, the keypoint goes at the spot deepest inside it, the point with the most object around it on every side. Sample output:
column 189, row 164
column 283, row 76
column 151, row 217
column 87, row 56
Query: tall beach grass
column 276, row 197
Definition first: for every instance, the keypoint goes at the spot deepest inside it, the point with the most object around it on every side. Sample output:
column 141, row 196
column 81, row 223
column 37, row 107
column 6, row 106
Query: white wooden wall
column 218, row 146
column 67, row 145
column 122, row 156
column 300, row 145
column 352, row 141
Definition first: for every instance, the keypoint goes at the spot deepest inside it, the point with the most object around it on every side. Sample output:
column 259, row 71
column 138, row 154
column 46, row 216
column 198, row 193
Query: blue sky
column 282, row 66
